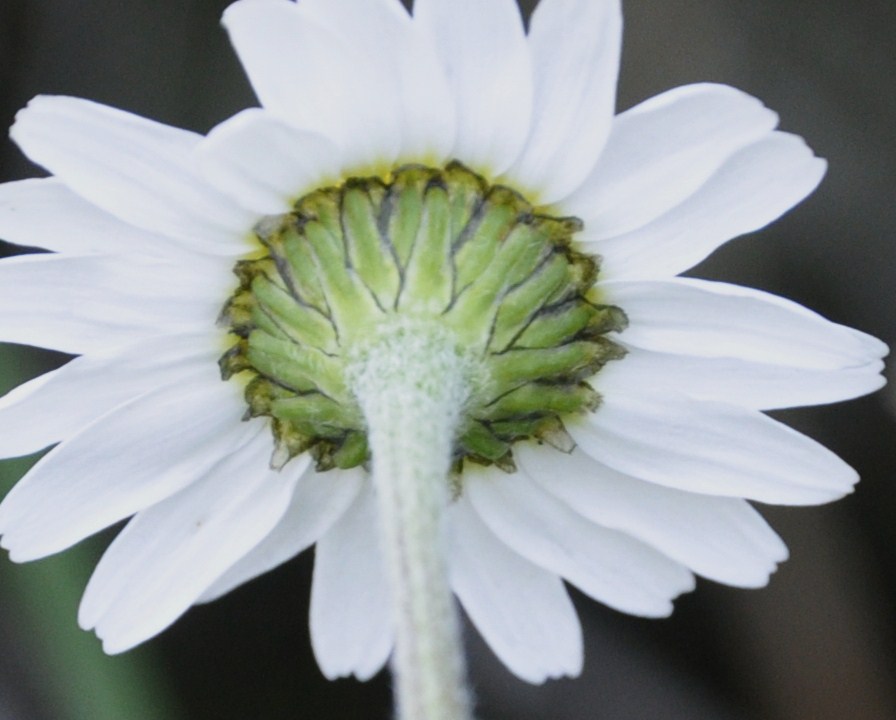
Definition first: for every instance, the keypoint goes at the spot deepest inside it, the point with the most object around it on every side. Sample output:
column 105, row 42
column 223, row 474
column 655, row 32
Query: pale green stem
column 412, row 387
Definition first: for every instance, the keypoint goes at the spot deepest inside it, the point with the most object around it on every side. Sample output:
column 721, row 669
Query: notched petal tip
column 22, row 555
column 115, row 645
column 874, row 348
column 25, row 116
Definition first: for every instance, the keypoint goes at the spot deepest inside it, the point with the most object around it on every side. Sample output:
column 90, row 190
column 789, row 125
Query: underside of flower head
column 427, row 248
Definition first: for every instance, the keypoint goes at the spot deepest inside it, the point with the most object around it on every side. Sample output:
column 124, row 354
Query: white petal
column 129, row 459
column 522, row 611
column 761, row 386
column 661, row 151
column 710, row 448
column 610, row 566
column 314, row 78
column 45, row 213
column 168, row 554
column 265, row 164
column 575, row 46
column 134, row 168
column 711, row 319
column 318, row 501
column 383, row 31
column 483, row 49
column 84, row 304
column 63, row 402
column 720, row 538
column 351, row 622
column 754, row 187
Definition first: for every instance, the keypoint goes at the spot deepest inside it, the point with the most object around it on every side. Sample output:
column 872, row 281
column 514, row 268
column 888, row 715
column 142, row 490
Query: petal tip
column 88, row 618
column 114, row 646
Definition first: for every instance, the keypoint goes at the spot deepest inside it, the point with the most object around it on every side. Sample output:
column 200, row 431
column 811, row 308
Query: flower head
column 444, row 176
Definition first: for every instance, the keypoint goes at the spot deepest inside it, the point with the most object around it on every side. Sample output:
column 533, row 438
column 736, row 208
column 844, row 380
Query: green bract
column 424, row 249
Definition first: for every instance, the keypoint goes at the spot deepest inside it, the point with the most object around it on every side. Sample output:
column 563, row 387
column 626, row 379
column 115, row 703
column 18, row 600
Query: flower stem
column 411, row 387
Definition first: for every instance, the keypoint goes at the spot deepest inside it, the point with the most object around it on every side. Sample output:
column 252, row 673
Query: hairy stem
column 412, row 386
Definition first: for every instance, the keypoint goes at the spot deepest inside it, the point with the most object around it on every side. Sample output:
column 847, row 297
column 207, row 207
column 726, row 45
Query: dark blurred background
column 817, row 644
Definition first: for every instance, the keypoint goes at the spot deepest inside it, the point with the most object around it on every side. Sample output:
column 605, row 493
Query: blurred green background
column 819, row 643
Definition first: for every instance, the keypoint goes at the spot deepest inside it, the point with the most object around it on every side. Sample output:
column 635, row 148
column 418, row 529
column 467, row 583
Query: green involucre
column 425, row 247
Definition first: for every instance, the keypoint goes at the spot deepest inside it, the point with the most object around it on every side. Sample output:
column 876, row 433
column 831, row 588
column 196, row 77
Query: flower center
column 434, row 252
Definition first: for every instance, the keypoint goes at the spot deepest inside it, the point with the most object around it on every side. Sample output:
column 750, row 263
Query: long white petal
column 608, row 565
column 661, row 151
column 522, row 611
column 720, row 538
column 169, row 553
column 84, row 304
column 265, row 164
column 483, row 50
column 137, row 169
column 318, row 501
column 129, row 459
column 61, row 403
column 755, row 186
column 711, row 448
column 314, row 78
column 44, row 213
column 383, row 31
column 575, row 46
column 712, row 319
column 351, row 621
column 761, row 386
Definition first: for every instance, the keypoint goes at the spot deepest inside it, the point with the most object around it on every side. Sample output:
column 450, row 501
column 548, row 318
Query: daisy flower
column 421, row 310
